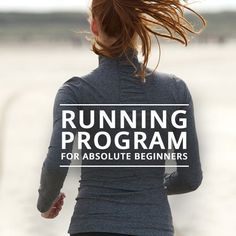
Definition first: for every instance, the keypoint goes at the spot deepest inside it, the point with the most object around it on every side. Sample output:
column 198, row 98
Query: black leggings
column 99, row 234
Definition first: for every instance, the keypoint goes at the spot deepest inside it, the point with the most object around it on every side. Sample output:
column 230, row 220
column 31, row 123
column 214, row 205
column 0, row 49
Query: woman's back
column 134, row 197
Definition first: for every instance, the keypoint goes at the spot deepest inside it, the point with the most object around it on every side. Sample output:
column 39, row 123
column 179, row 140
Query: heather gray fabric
column 121, row 200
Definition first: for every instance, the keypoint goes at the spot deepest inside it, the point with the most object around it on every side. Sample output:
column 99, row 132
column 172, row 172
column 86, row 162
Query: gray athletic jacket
column 122, row 200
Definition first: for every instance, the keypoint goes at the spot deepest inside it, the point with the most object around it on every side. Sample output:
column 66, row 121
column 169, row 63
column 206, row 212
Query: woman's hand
column 55, row 208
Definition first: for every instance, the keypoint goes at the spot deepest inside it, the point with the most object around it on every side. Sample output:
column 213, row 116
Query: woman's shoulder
column 172, row 84
column 73, row 85
column 76, row 87
column 68, row 92
column 165, row 78
column 74, row 81
column 83, row 80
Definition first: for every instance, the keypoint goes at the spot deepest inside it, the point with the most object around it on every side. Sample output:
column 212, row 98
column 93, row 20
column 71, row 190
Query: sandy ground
column 29, row 78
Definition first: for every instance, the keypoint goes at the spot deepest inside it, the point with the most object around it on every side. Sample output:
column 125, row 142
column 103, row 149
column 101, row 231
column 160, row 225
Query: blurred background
column 41, row 46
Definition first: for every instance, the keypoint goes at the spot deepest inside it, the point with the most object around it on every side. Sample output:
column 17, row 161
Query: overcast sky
column 74, row 5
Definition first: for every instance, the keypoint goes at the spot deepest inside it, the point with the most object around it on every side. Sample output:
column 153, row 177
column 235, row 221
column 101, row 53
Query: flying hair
column 131, row 21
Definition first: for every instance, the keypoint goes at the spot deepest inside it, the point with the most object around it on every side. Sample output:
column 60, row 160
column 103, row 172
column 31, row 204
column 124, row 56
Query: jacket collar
column 126, row 60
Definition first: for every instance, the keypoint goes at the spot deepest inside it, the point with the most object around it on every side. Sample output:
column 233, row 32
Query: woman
column 124, row 201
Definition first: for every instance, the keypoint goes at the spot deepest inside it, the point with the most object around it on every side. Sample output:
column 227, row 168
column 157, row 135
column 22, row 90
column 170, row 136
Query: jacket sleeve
column 52, row 175
column 185, row 180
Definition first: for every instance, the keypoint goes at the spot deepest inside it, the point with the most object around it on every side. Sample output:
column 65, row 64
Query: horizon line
column 66, row 10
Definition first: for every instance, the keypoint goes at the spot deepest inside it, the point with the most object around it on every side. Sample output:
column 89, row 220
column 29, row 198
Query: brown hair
column 129, row 20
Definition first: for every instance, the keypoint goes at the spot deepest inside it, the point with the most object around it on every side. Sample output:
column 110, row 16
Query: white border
column 123, row 105
column 124, row 166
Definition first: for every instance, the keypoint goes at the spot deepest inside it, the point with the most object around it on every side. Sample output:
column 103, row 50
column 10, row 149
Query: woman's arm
column 52, row 175
column 185, row 180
